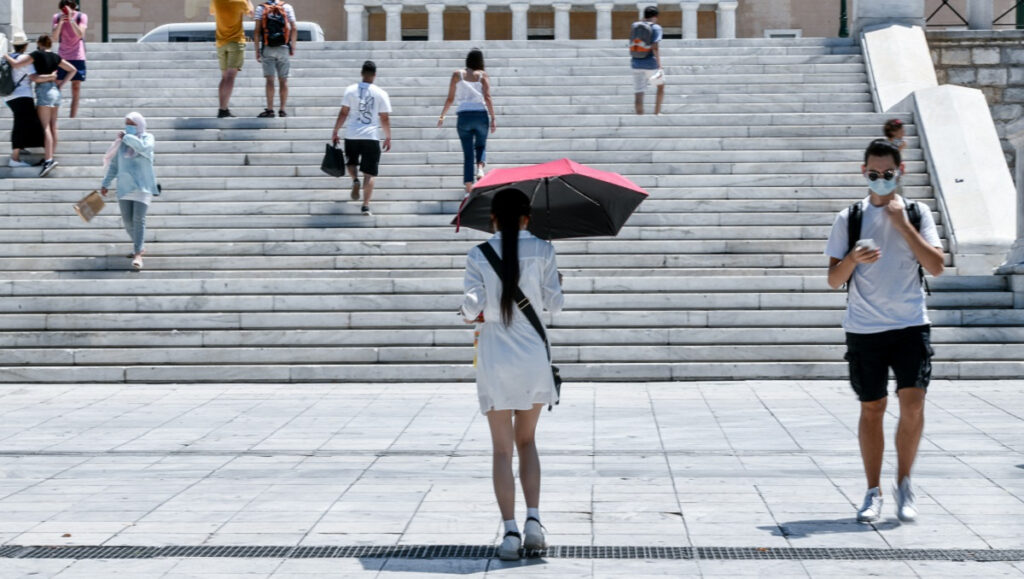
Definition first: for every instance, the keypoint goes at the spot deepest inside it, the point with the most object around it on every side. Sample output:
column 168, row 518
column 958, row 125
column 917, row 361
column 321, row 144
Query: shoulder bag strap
column 521, row 300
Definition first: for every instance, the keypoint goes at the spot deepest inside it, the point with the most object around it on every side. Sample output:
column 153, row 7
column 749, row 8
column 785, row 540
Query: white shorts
column 643, row 78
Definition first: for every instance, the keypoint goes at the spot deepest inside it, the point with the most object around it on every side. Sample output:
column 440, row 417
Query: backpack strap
column 522, row 301
column 853, row 223
column 914, row 215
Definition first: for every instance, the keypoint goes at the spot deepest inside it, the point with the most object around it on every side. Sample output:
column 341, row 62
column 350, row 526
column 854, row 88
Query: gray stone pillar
column 355, row 22
column 867, row 13
column 604, row 20
column 727, row 18
column 562, row 20
column 394, row 22
column 435, row 22
column 980, row 14
column 519, row 22
column 12, row 16
column 690, row 8
column 1015, row 259
column 477, row 21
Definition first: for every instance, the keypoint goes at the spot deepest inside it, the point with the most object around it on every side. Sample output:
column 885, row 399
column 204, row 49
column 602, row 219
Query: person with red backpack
column 645, row 57
column 274, row 37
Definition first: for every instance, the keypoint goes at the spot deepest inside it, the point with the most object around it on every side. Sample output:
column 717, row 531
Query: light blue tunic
column 136, row 178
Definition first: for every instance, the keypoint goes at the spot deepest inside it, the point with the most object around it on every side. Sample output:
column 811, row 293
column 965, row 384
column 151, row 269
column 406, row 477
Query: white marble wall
column 357, row 16
column 12, row 15
column 868, row 13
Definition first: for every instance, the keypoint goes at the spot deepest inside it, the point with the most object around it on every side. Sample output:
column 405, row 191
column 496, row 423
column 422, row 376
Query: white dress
column 513, row 372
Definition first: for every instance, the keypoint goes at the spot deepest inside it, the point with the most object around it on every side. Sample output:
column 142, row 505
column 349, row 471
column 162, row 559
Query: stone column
column 879, row 12
column 12, row 16
column 604, row 20
column 690, row 8
column 1015, row 260
column 980, row 14
column 519, row 22
column 562, row 20
column 394, row 21
column 477, row 21
column 435, row 22
column 727, row 18
column 355, row 22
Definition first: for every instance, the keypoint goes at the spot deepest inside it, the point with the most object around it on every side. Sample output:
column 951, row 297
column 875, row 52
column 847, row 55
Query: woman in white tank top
column 470, row 90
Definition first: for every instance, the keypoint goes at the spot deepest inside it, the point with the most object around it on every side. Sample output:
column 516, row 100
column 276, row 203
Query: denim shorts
column 47, row 95
column 80, row 69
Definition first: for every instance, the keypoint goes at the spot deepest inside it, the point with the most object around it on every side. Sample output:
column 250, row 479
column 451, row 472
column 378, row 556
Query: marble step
column 423, row 337
column 599, row 319
column 257, row 357
column 617, row 372
column 575, row 284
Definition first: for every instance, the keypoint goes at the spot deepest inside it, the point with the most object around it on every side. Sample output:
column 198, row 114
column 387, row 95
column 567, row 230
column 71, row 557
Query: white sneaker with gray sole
column 871, row 510
column 906, row 509
column 509, row 549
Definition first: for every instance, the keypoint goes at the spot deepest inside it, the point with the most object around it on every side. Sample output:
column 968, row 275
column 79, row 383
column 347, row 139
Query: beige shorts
column 276, row 61
column 643, row 78
column 231, row 55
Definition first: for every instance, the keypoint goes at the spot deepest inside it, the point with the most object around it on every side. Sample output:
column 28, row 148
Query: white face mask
column 882, row 186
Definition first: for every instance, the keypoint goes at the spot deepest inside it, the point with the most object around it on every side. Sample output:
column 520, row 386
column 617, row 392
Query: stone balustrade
column 357, row 12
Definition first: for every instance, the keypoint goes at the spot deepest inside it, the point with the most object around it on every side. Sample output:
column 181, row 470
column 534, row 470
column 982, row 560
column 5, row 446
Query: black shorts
column 365, row 153
column 907, row 351
column 79, row 67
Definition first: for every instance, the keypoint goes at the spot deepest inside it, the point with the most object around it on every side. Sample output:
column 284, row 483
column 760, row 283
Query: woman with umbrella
column 514, row 378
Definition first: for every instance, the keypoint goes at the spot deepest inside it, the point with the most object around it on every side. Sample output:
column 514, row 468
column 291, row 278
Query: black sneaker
column 47, row 167
column 281, row 113
column 366, row 211
column 266, row 114
column 225, row 114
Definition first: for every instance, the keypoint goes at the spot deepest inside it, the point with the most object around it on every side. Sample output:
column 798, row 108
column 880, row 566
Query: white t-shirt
column 365, row 102
column 25, row 88
column 885, row 295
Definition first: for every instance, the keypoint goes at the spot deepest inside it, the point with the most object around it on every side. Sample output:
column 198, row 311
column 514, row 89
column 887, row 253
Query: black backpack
column 7, row 84
column 641, row 35
column 853, row 234
column 276, row 28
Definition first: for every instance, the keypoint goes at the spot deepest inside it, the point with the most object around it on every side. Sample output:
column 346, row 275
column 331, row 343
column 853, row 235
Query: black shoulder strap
column 914, row 215
column 521, row 300
column 856, row 217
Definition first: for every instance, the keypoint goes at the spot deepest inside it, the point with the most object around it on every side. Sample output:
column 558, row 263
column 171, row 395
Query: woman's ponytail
column 508, row 206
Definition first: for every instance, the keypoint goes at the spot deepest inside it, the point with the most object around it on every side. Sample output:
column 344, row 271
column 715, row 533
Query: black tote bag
column 334, row 161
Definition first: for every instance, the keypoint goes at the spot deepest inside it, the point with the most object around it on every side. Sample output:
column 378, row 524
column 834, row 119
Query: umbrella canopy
column 567, row 199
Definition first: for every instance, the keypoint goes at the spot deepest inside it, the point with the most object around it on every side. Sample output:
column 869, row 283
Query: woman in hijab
column 130, row 161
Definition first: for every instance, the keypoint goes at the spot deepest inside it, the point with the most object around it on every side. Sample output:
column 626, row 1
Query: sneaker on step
column 355, row 190
column 534, row 532
column 225, row 114
column 479, row 172
column 366, row 211
column 906, row 509
column 509, row 549
column 13, row 163
column 871, row 510
column 47, row 167
column 266, row 114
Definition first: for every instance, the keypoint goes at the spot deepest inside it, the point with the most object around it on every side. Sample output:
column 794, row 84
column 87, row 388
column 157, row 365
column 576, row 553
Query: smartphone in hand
column 866, row 243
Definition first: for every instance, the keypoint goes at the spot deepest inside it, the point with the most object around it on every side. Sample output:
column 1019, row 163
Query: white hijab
column 140, row 126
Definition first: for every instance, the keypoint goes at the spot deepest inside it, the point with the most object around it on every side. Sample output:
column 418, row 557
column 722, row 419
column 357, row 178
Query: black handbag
column 531, row 314
column 334, row 161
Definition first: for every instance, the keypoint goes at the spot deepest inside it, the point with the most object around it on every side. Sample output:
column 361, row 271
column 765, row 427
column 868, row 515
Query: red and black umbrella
column 567, row 199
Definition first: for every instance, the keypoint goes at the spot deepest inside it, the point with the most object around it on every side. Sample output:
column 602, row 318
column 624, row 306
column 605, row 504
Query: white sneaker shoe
column 906, row 510
column 479, row 172
column 534, row 532
column 871, row 511
column 509, row 549
column 13, row 163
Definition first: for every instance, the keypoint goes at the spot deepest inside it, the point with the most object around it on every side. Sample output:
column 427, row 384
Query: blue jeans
column 133, row 215
column 472, row 127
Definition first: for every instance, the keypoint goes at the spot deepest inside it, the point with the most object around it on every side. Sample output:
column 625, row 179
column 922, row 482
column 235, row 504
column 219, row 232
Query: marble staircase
column 260, row 269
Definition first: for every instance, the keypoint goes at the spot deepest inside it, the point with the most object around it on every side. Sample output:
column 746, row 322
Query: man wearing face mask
column 886, row 319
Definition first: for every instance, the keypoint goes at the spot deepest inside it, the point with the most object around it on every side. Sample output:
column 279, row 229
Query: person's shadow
column 808, row 528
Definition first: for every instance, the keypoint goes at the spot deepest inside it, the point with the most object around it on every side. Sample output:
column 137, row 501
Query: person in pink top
column 69, row 27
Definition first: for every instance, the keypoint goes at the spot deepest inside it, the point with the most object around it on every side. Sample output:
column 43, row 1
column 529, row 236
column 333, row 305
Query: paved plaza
column 768, row 466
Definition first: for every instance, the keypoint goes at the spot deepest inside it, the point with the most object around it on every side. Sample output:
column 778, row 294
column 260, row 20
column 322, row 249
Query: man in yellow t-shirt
column 230, row 46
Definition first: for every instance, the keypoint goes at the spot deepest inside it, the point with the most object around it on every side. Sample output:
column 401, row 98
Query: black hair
column 883, row 148
column 71, row 3
column 507, row 207
column 891, row 126
column 369, row 67
column 44, row 41
column 650, row 12
column 475, row 59
column 19, row 48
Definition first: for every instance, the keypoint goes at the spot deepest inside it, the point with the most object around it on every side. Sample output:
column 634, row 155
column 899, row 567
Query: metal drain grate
column 488, row 551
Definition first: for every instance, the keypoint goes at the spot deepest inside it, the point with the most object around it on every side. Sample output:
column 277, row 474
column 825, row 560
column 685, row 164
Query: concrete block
column 992, row 76
column 1016, row 75
column 1015, row 55
column 956, row 56
column 986, row 56
column 962, row 75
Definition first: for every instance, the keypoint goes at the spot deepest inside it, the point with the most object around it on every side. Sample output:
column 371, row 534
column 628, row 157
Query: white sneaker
column 509, row 549
column 13, row 163
column 906, row 510
column 479, row 172
column 534, row 532
column 871, row 511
